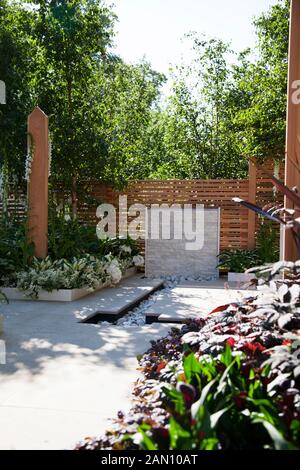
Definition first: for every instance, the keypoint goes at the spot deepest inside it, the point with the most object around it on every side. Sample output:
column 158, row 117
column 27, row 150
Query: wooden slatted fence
column 238, row 226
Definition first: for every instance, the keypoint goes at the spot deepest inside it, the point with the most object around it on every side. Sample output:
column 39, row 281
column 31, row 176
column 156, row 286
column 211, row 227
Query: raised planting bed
column 61, row 295
column 240, row 277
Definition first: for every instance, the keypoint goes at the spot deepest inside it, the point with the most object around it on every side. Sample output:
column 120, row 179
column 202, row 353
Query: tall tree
column 262, row 87
column 74, row 36
column 197, row 124
column 127, row 94
column 18, row 52
column 225, row 107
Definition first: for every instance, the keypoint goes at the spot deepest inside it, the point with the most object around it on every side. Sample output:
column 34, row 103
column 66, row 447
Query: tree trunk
column 74, row 197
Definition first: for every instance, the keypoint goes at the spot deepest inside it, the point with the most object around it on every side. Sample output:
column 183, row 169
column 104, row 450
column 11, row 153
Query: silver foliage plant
column 85, row 272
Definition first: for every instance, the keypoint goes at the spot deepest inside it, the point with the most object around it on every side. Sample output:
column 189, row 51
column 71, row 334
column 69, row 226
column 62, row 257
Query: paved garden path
column 64, row 379
column 191, row 299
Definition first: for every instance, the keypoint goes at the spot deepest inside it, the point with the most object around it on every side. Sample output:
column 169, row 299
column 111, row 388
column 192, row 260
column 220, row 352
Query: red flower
column 161, row 366
column 188, row 392
column 253, row 348
column 231, row 342
column 240, row 400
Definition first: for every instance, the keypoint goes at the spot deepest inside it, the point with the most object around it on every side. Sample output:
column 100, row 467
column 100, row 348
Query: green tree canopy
column 108, row 119
column 224, row 107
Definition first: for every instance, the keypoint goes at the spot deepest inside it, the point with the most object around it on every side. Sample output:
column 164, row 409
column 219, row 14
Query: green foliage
column 224, row 106
column 123, row 247
column 57, row 56
column 19, row 55
column 69, row 238
column 222, row 405
column 267, row 243
column 73, row 37
column 238, row 261
column 126, row 95
column 14, row 249
column 261, row 119
column 106, row 117
column 86, row 272
column 107, row 263
column 193, row 136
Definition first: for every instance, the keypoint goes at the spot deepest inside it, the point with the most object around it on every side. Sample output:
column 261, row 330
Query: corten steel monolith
column 292, row 158
column 252, row 199
column 38, row 182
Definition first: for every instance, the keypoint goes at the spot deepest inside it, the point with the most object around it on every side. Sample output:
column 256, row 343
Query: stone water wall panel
column 170, row 257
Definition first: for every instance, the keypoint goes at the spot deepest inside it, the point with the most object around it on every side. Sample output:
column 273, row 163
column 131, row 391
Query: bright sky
column 154, row 28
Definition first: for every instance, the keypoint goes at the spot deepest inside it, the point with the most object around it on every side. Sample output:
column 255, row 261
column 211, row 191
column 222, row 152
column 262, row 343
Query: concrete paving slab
column 110, row 301
column 192, row 300
column 114, row 301
column 220, row 283
column 63, row 379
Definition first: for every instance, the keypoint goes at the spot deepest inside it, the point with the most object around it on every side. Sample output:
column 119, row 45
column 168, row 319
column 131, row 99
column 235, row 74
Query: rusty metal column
column 292, row 159
column 252, row 198
column 38, row 183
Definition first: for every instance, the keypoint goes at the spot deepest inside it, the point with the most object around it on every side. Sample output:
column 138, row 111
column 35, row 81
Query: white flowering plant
column 29, row 158
column 123, row 248
column 77, row 259
column 138, row 261
column 87, row 272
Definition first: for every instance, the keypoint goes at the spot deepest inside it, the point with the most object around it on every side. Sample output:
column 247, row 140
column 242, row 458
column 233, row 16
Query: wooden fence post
column 38, row 182
column 292, row 159
column 252, row 198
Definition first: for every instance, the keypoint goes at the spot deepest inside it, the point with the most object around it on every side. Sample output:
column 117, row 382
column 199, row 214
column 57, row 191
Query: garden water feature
column 206, row 294
column 113, row 303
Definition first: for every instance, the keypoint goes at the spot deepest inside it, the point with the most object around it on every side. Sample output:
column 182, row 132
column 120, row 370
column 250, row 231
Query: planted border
column 230, row 380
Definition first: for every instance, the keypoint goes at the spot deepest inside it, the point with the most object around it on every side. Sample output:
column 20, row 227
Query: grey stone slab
column 113, row 301
column 176, row 256
column 192, row 301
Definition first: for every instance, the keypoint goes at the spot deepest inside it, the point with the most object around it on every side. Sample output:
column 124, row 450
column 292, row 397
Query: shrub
column 238, row 261
column 85, row 272
column 14, row 249
column 76, row 257
column 69, row 238
column 227, row 380
column 267, row 243
column 221, row 404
